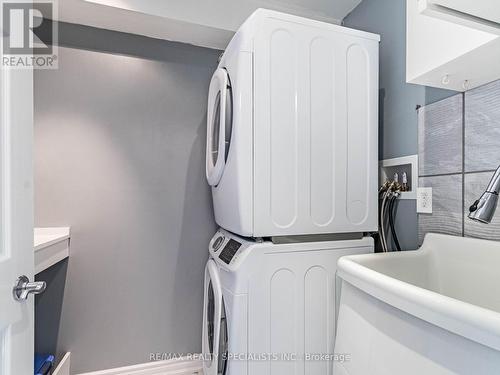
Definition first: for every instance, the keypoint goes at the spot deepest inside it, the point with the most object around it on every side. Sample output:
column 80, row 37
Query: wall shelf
column 51, row 245
column 408, row 164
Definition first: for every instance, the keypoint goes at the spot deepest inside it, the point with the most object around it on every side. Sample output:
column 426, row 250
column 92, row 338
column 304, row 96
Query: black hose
column 380, row 240
column 391, row 223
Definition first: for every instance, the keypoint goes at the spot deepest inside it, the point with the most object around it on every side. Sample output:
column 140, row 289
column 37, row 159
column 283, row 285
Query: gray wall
column 119, row 157
column 398, row 100
column 458, row 149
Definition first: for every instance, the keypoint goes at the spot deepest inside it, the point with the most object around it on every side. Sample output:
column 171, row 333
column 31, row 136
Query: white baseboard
column 179, row 366
column 63, row 366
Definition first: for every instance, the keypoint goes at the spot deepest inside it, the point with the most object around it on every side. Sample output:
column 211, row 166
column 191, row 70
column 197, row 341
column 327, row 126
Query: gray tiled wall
column 459, row 148
column 482, row 128
column 440, row 137
column 446, row 206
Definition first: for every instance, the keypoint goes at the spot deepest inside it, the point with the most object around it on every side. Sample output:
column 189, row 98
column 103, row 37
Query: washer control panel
column 230, row 249
column 226, row 248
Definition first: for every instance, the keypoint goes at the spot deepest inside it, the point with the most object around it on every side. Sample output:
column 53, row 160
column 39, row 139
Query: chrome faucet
column 484, row 208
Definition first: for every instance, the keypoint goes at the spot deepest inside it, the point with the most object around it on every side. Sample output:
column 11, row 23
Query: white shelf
column 51, row 245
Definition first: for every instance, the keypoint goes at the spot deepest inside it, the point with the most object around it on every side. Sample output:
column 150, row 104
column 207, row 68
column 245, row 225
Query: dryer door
column 215, row 338
column 219, row 125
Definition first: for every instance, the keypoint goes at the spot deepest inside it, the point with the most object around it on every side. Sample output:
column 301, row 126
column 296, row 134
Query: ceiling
column 207, row 23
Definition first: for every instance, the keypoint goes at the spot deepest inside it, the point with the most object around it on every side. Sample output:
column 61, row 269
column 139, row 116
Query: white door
column 219, row 125
column 16, row 219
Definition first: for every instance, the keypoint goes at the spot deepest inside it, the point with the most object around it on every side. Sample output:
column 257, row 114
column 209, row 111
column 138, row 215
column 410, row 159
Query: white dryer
column 293, row 129
column 270, row 309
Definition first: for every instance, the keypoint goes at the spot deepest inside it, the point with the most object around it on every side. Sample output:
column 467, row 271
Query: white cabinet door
column 16, row 219
column 479, row 14
column 449, row 49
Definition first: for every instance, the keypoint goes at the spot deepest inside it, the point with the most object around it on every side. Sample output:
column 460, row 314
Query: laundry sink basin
column 436, row 308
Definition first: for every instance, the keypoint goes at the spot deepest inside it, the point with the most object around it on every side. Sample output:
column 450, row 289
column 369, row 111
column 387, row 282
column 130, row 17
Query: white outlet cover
column 424, row 200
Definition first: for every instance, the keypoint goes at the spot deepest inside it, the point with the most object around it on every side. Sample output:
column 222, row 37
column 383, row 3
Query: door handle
column 24, row 288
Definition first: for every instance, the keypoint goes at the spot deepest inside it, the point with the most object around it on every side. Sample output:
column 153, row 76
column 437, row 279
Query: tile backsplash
column 459, row 148
column 482, row 128
column 447, row 206
column 440, row 137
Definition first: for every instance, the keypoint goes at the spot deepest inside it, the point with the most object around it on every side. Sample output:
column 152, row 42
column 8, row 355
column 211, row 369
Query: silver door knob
column 24, row 288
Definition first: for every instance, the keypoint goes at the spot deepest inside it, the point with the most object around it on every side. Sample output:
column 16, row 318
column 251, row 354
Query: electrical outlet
column 424, row 200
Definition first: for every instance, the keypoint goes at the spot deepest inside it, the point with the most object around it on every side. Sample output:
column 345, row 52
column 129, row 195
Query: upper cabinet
column 453, row 44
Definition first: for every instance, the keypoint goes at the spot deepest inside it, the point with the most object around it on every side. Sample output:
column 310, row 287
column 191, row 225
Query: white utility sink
column 435, row 310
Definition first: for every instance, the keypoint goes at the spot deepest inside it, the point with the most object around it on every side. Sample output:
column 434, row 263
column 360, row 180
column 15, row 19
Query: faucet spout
column 494, row 185
column 484, row 208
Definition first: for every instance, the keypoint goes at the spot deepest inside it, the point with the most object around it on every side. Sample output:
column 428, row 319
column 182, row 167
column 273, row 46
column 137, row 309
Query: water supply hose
column 391, row 222
column 382, row 222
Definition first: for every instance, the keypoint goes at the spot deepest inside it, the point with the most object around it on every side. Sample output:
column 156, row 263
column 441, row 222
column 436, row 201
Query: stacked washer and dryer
column 292, row 155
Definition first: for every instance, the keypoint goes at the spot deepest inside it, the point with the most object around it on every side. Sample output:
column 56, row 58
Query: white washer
column 293, row 129
column 263, row 300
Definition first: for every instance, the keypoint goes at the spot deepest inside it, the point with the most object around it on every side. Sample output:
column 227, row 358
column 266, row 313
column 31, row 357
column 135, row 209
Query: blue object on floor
column 43, row 363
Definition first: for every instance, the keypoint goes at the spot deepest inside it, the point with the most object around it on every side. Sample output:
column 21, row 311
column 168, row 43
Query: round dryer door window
column 219, row 125
column 215, row 337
